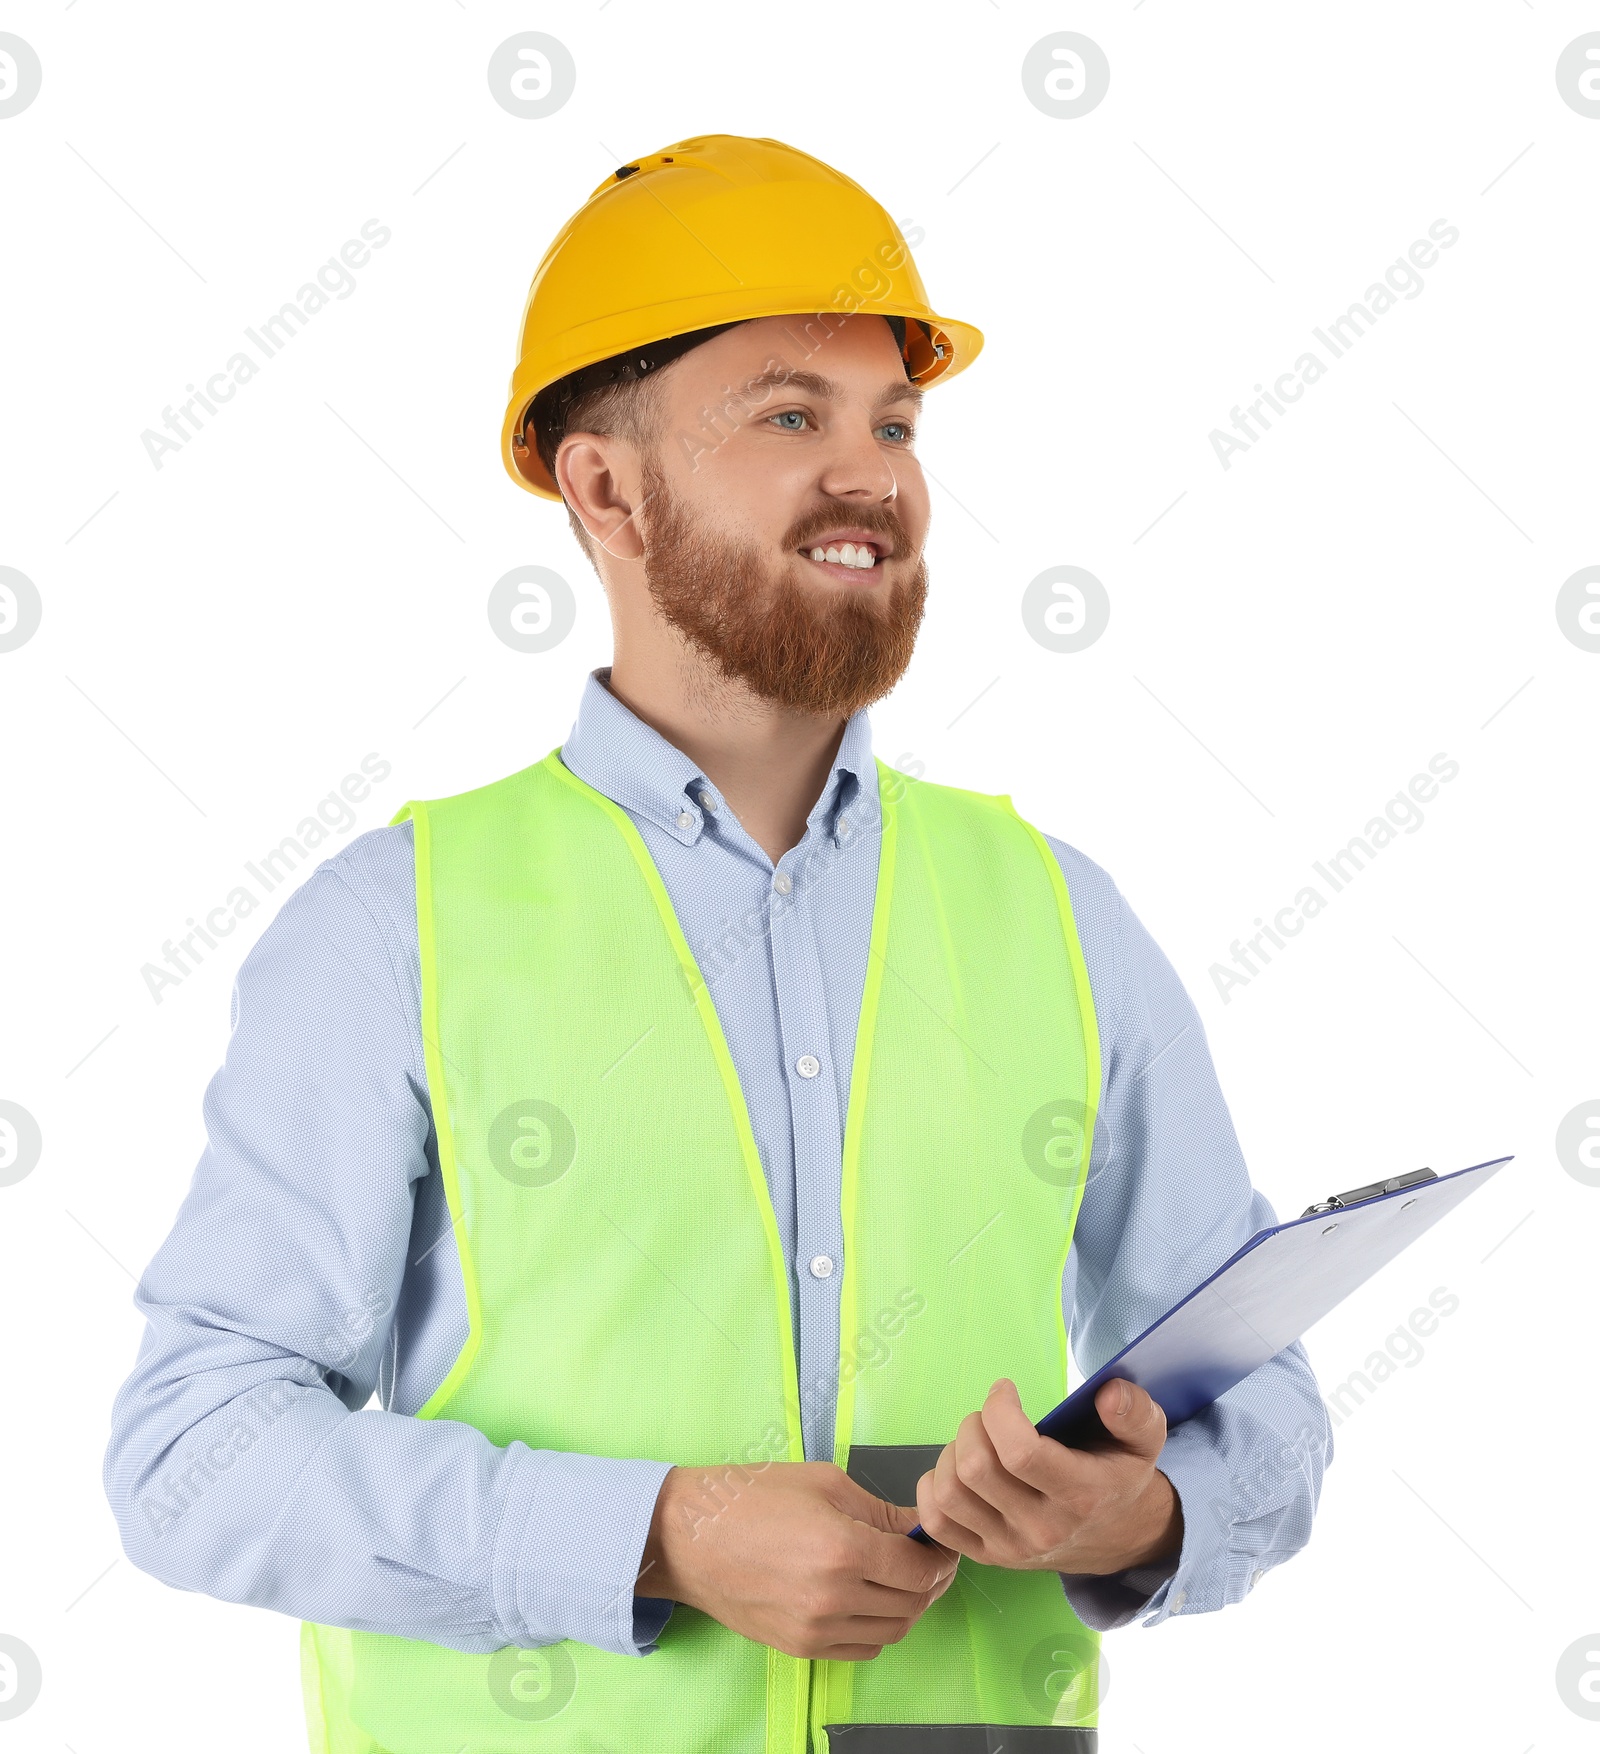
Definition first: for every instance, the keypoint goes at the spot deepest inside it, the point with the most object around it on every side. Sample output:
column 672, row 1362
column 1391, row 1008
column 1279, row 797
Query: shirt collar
column 612, row 749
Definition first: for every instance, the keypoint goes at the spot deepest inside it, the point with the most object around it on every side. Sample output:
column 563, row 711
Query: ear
column 587, row 472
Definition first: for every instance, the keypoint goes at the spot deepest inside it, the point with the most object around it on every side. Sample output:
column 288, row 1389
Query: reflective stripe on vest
column 625, row 1285
column 961, row 1739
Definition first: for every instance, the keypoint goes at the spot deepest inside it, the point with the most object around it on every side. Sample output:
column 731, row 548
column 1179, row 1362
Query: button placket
column 817, row 1133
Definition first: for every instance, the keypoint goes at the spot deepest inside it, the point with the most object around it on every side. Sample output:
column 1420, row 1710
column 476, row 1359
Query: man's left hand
column 1002, row 1494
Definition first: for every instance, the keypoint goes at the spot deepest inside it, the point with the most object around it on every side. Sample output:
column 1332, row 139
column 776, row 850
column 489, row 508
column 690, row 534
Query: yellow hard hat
column 706, row 233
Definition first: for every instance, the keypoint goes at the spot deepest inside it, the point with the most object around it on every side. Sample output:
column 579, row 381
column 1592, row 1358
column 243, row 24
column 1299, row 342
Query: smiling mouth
column 844, row 560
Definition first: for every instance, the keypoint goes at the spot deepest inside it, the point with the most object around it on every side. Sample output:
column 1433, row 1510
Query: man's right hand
column 794, row 1555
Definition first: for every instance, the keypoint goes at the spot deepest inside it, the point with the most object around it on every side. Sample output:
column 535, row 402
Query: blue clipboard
column 1264, row 1297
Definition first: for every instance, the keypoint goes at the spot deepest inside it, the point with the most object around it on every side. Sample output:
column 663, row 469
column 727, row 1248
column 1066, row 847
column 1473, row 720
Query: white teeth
column 846, row 554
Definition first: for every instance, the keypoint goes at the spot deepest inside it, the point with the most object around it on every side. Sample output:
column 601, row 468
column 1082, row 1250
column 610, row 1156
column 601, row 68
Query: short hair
column 616, row 396
column 628, row 410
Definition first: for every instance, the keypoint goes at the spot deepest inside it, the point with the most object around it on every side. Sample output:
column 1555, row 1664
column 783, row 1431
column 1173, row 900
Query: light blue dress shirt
column 308, row 1299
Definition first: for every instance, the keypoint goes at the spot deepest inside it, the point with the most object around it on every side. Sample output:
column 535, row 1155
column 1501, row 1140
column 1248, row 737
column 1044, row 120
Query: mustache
column 892, row 530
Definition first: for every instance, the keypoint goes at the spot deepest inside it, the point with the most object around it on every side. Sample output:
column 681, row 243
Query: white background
column 1374, row 582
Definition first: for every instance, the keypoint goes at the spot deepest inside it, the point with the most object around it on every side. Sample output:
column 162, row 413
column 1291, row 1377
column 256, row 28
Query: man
column 701, row 1137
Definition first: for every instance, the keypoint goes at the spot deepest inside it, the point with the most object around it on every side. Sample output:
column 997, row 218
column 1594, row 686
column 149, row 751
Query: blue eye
column 903, row 426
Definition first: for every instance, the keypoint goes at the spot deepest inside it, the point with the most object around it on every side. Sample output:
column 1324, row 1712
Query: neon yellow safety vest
column 626, row 1289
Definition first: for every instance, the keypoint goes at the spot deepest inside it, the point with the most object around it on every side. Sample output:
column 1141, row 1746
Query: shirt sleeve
column 1167, row 1201
column 248, row 1458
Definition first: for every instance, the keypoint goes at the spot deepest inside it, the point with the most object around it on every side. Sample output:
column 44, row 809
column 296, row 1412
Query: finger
column 1140, row 1425
column 851, row 1637
column 978, row 1463
column 953, row 1512
column 1034, row 1467
column 867, row 1615
column 879, row 1529
column 907, row 1518
column 866, row 1596
column 855, row 1501
column 902, row 1518
column 899, row 1564
column 853, row 1653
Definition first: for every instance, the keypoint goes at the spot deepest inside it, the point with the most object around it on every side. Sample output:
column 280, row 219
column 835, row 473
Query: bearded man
column 704, row 1140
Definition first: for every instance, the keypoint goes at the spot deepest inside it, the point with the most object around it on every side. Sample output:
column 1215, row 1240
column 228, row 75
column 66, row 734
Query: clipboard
column 1264, row 1297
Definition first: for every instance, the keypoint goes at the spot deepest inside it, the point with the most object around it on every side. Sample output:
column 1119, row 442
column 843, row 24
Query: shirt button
column 686, row 819
column 808, row 1066
column 821, row 1267
column 709, row 802
column 782, row 883
column 1178, row 1599
column 844, row 827
column 1256, row 1576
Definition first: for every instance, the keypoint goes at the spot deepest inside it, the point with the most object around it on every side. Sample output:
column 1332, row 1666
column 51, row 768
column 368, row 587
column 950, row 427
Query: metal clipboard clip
column 1335, row 1202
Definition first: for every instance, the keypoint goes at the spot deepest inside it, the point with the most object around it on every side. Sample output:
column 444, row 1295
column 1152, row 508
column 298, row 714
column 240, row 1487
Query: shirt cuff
column 1200, row 1576
column 571, row 1542
column 1107, row 1600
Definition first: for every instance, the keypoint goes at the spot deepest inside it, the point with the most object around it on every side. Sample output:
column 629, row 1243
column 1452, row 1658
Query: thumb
column 1140, row 1425
column 902, row 1518
column 903, row 1521
column 855, row 1501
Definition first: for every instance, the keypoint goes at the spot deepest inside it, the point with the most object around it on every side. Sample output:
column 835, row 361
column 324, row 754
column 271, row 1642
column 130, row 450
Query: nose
column 855, row 467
